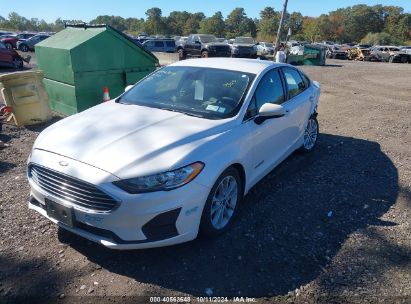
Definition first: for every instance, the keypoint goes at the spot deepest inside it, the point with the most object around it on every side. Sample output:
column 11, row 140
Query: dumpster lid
column 106, row 26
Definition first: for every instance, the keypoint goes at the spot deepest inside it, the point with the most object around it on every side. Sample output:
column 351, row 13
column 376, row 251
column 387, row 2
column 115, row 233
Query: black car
column 244, row 47
column 202, row 45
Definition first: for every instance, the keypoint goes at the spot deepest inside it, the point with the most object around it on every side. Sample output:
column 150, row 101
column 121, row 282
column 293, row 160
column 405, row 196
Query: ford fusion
column 173, row 156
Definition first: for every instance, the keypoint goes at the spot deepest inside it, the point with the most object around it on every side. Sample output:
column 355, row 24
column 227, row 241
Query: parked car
column 175, row 154
column 244, row 47
column 160, row 45
column 28, row 45
column 400, row 57
column 11, row 41
column 383, row 53
column 406, row 49
column 223, row 40
column 3, row 33
column 203, row 45
column 10, row 58
column 265, row 48
column 336, row 52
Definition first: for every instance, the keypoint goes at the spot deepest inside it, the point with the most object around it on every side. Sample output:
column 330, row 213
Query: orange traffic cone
column 106, row 96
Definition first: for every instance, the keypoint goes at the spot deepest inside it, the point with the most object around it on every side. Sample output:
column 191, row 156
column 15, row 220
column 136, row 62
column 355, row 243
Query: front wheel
column 181, row 54
column 222, row 204
column 24, row 48
column 17, row 63
column 204, row 54
column 310, row 135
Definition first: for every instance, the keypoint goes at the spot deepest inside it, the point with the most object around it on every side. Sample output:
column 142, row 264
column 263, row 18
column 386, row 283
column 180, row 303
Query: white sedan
column 175, row 154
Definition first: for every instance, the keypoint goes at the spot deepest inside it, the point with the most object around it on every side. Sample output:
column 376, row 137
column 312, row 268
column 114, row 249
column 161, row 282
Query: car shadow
column 333, row 65
column 290, row 227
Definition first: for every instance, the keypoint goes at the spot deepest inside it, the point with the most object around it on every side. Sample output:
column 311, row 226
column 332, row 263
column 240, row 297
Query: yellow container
column 25, row 93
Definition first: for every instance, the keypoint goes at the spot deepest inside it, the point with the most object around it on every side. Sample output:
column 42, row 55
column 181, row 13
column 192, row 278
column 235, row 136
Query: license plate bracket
column 60, row 213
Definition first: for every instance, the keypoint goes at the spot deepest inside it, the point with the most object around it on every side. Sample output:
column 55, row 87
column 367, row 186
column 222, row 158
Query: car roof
column 234, row 64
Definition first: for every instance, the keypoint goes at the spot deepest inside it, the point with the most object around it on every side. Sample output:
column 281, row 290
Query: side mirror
column 269, row 110
column 128, row 88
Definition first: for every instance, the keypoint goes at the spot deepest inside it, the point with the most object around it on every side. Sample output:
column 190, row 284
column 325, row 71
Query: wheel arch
column 240, row 169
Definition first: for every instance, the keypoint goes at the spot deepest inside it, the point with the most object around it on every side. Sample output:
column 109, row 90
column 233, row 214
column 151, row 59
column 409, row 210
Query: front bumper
column 139, row 221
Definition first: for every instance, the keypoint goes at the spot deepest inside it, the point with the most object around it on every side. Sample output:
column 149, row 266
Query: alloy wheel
column 224, row 202
column 310, row 134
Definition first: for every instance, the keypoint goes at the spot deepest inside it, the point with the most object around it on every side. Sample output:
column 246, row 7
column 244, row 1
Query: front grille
column 70, row 189
column 245, row 49
column 222, row 48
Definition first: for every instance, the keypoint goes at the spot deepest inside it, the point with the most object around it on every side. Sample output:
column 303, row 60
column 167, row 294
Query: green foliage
column 382, row 38
column 214, row 25
column 270, row 19
column 350, row 24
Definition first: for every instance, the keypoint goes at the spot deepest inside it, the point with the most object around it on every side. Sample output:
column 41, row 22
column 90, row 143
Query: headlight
column 162, row 181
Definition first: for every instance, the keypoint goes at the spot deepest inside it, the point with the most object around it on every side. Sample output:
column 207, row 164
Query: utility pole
column 280, row 28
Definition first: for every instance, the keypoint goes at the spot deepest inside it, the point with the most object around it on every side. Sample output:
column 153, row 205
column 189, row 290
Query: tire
column 17, row 63
column 24, row 48
column 181, row 54
column 219, row 212
column 310, row 135
column 9, row 46
column 204, row 54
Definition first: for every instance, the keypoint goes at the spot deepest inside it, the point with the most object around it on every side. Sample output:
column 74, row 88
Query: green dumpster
column 314, row 54
column 79, row 61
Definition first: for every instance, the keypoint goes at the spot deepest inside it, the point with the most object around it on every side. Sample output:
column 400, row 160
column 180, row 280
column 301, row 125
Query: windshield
column 247, row 40
column 203, row 92
column 207, row 38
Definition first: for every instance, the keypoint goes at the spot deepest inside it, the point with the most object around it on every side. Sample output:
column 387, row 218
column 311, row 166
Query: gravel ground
column 332, row 226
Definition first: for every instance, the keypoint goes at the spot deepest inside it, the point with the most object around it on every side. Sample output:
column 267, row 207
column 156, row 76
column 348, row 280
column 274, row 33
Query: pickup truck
column 202, row 45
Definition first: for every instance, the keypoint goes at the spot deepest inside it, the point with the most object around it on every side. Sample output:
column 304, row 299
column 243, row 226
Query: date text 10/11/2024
column 201, row 299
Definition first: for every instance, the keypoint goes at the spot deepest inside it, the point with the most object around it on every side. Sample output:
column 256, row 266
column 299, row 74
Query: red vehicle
column 10, row 42
column 10, row 58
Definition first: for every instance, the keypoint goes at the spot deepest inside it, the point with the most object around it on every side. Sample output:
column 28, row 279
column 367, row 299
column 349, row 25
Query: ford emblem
column 63, row 163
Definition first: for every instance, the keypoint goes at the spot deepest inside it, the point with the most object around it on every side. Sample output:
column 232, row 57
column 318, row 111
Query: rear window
column 170, row 43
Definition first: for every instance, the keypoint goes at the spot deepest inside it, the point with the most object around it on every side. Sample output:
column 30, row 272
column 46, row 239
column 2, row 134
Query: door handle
column 311, row 98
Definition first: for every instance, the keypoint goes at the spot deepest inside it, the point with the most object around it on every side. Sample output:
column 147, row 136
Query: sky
column 87, row 10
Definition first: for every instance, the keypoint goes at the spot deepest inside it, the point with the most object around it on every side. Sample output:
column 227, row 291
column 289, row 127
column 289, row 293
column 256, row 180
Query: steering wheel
column 227, row 101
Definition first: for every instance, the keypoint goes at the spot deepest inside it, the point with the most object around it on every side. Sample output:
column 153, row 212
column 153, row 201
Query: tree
column 268, row 26
column 310, row 29
column 176, row 22
column 362, row 19
column 193, row 24
column 234, row 22
column 295, row 23
column 154, row 23
column 214, row 25
column 115, row 21
column 382, row 38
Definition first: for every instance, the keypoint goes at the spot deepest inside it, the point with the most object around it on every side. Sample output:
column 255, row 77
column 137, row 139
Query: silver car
column 383, row 53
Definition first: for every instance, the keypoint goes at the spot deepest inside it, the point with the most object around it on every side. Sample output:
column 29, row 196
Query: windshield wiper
column 182, row 112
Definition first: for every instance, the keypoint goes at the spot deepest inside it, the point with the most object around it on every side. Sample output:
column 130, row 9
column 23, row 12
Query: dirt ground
column 331, row 227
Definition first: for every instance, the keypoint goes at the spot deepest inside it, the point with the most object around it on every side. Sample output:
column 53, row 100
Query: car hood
column 216, row 44
column 244, row 44
column 130, row 140
column 4, row 40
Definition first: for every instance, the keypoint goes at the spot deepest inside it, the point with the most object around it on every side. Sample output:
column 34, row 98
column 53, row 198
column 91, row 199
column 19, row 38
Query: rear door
column 300, row 99
column 189, row 46
column 159, row 46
